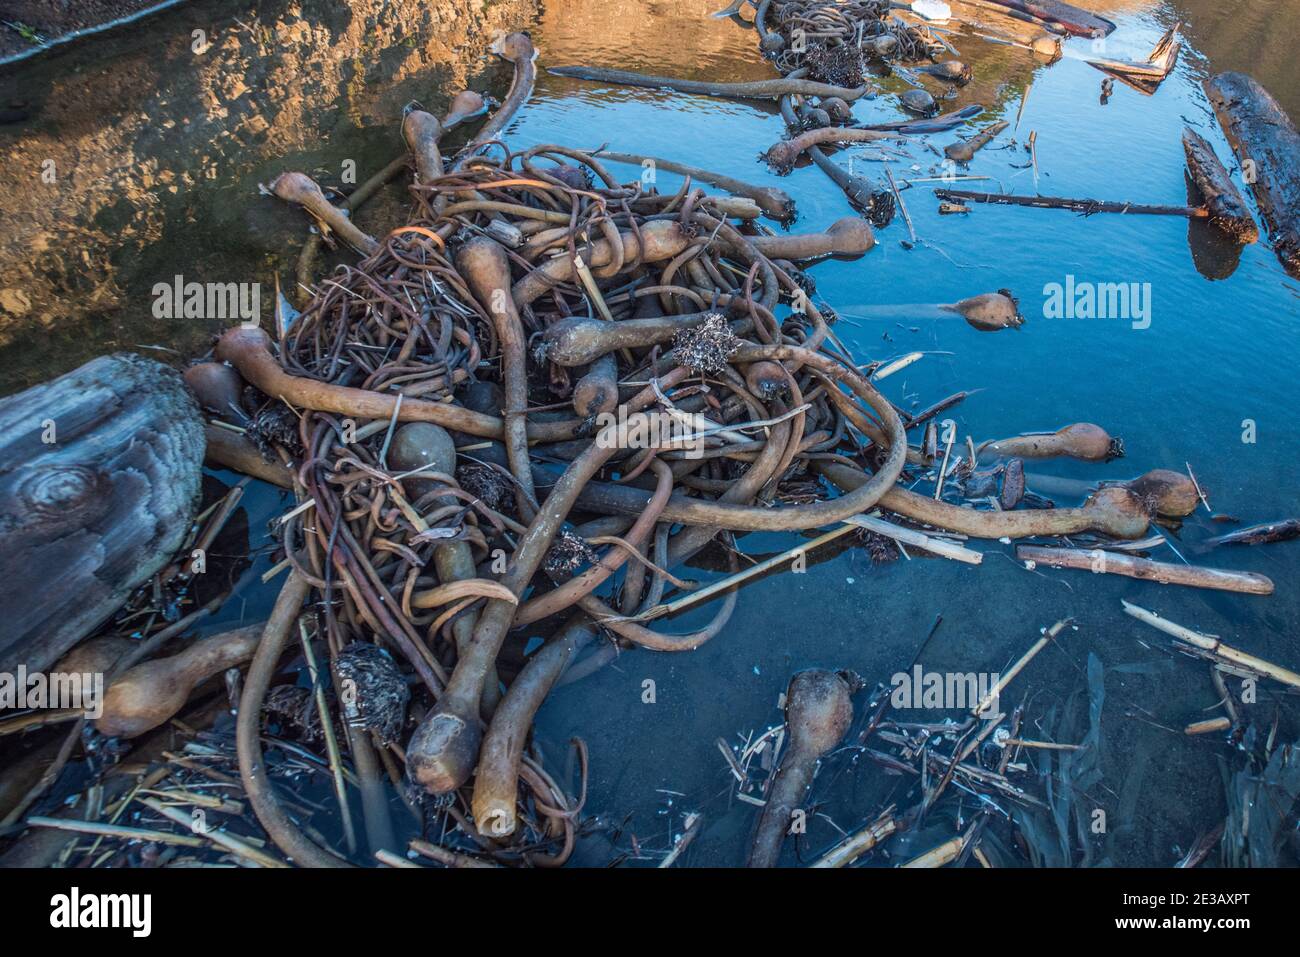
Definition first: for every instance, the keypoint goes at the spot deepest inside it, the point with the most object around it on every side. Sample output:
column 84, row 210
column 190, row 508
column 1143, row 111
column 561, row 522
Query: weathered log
column 1081, row 23
column 753, row 90
column 1268, row 147
column 99, row 480
column 1228, row 211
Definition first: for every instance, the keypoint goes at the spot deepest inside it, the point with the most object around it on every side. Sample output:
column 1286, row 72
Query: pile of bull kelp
column 518, row 414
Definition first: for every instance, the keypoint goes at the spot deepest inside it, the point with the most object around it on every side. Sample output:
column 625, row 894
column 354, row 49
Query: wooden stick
column 910, row 536
column 773, row 201
column 695, row 597
column 1087, row 206
column 331, row 742
column 1033, row 155
column 857, row 844
column 1221, row 687
column 115, row 830
column 1027, row 657
column 589, row 283
column 902, row 206
column 1043, row 745
column 1208, row 726
column 390, row 859
column 443, row 856
column 1215, row 648
column 227, row 841
column 945, row 853
column 38, row 719
column 1106, row 562
column 1024, row 98
column 889, row 368
column 693, row 824
column 943, row 468
column 1197, row 485
column 906, row 535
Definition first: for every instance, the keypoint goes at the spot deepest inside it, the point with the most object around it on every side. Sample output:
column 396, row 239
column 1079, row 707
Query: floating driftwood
column 754, row 90
column 99, row 485
column 935, row 124
column 1107, row 562
column 1085, row 206
column 1268, row 147
column 1211, row 648
column 1226, row 206
column 1264, row 534
column 1145, row 76
column 1072, row 19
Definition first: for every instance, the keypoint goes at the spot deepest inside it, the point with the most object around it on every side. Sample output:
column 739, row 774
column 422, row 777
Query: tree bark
column 99, row 481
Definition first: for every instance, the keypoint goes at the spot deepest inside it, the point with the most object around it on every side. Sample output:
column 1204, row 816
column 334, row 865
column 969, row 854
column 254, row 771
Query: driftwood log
column 1268, row 148
column 99, row 480
column 1227, row 207
column 1081, row 23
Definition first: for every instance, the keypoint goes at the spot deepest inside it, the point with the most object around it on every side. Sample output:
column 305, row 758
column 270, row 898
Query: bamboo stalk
column 1107, row 562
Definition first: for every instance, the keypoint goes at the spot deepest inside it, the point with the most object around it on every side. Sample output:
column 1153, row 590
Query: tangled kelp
column 459, row 491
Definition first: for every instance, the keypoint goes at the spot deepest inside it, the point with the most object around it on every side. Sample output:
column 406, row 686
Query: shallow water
column 1220, row 349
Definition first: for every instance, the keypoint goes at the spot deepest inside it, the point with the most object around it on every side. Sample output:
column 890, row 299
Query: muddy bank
column 31, row 25
column 132, row 139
